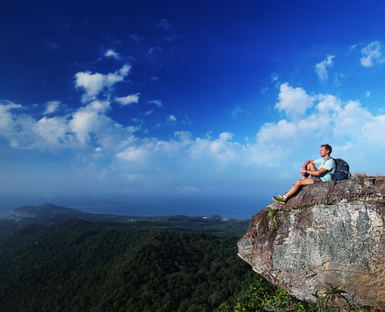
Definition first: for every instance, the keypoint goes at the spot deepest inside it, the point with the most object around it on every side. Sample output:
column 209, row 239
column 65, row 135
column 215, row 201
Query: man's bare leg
column 309, row 167
column 295, row 188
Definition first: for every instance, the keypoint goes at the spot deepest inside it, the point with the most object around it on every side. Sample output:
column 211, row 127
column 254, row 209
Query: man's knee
column 311, row 167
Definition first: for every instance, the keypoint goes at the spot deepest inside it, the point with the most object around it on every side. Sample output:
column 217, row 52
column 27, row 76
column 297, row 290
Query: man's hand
column 303, row 171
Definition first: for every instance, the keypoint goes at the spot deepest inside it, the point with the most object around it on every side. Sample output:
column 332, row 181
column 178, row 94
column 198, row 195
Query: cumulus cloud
column 51, row 107
column 111, row 53
column 372, row 54
column 86, row 127
column 90, row 126
column 346, row 123
column 373, row 131
column 320, row 68
column 94, row 83
column 128, row 100
column 8, row 125
column 279, row 132
column 53, row 131
column 136, row 153
column 88, row 120
column 91, row 83
column 293, row 101
column 222, row 150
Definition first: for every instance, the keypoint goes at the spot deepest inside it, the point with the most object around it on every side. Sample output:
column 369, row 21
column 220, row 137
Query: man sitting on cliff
column 324, row 174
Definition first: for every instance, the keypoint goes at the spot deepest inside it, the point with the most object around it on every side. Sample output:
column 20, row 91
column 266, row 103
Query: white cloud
column 124, row 70
column 278, row 133
column 127, row 100
column 136, row 153
column 222, row 150
column 89, row 120
column 111, row 53
column 293, row 101
column 93, row 84
column 51, row 107
column 158, row 103
column 350, row 120
column 86, row 128
column 171, row 119
column 373, row 132
column 332, row 120
column 52, row 130
column 320, row 68
column 8, row 125
column 372, row 54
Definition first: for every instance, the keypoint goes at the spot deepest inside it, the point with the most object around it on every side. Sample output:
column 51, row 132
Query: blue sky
column 184, row 107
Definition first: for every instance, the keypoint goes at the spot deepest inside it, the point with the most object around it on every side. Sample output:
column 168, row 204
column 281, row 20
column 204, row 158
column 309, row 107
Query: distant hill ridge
column 49, row 214
column 47, row 207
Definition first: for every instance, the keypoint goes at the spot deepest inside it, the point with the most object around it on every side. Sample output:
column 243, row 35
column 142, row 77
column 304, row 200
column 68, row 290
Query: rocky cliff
column 328, row 233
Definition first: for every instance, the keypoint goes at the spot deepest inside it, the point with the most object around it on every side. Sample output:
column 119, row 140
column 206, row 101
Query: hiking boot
column 280, row 199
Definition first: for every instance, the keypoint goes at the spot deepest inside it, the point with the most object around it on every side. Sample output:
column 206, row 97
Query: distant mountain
column 48, row 214
column 46, row 208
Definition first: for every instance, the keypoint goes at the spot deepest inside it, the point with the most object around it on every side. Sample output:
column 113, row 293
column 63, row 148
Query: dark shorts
column 316, row 180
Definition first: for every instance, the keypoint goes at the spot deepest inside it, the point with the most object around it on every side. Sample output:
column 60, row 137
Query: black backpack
column 342, row 170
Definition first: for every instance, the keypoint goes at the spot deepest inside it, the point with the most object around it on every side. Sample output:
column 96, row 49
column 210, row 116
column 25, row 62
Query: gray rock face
column 328, row 233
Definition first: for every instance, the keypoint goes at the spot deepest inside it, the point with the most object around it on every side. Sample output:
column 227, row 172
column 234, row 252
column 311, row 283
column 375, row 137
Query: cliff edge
column 328, row 233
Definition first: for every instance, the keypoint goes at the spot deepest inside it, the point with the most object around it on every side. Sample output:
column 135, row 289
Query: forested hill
column 133, row 266
column 48, row 214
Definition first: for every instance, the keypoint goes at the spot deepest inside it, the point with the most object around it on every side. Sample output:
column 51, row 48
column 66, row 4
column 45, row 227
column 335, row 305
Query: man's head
column 326, row 149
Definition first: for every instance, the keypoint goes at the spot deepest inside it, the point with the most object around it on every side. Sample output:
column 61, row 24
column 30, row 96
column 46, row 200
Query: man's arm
column 314, row 173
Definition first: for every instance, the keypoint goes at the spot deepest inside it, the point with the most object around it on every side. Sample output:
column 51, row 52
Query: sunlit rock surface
column 328, row 233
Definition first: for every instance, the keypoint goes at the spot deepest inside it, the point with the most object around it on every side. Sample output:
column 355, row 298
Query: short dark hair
column 327, row 147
